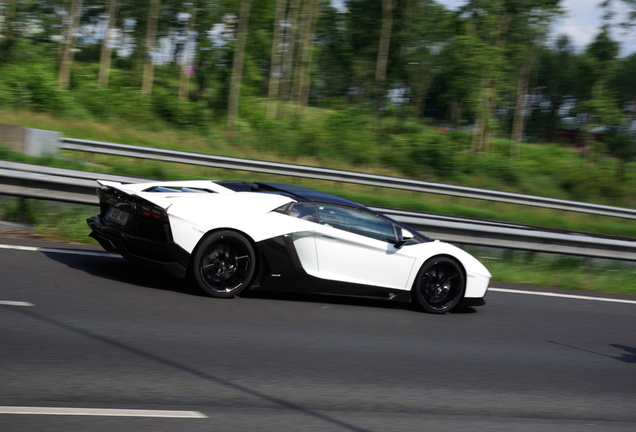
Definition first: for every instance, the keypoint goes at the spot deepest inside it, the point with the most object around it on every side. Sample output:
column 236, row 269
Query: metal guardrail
column 46, row 183
column 517, row 237
column 339, row 176
column 55, row 184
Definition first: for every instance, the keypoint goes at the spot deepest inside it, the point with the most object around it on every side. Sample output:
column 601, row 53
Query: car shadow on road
column 628, row 356
column 332, row 299
column 115, row 268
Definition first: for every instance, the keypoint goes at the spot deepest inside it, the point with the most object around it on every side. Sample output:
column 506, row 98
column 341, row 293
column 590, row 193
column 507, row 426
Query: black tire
column 439, row 286
column 223, row 264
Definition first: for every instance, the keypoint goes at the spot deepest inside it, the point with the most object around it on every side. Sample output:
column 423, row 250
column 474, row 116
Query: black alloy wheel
column 223, row 265
column 439, row 286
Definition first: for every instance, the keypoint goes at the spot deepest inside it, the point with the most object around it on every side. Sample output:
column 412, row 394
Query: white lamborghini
column 230, row 236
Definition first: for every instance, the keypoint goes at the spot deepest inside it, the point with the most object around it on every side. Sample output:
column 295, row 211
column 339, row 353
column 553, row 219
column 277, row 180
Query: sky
column 581, row 22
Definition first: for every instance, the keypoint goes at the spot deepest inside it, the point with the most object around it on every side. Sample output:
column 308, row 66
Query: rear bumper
column 166, row 255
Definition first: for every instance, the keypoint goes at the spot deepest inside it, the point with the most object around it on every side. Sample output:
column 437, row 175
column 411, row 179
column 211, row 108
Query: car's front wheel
column 439, row 286
column 223, row 265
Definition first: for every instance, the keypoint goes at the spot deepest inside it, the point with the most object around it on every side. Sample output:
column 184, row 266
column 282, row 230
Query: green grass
column 560, row 271
column 543, row 170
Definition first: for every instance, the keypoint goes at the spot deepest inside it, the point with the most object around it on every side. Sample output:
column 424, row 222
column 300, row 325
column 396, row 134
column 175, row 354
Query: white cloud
column 581, row 23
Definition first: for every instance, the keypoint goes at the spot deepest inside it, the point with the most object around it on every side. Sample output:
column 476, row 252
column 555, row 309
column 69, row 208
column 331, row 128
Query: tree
column 276, row 62
column 290, row 60
column 284, row 45
column 559, row 80
column 186, row 63
column 289, row 50
column 494, row 27
column 601, row 108
column 68, row 46
column 528, row 34
column 106, row 51
column 422, row 29
column 303, row 80
column 6, row 26
column 237, row 64
column 488, row 25
column 363, row 33
column 384, row 46
column 149, row 47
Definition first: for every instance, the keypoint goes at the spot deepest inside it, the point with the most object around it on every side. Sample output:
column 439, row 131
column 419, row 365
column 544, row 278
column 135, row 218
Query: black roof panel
column 297, row 192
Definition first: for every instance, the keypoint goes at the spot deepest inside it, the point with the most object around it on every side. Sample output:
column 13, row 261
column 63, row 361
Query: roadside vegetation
column 476, row 96
column 540, row 174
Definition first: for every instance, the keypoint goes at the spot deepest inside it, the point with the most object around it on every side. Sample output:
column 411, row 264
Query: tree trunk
column 455, row 113
column 276, row 62
column 187, row 63
column 479, row 135
column 289, row 54
column 6, row 23
column 68, row 51
column 383, row 50
column 482, row 133
column 151, row 40
column 520, row 117
column 237, row 65
column 304, row 72
column 421, row 85
column 106, row 52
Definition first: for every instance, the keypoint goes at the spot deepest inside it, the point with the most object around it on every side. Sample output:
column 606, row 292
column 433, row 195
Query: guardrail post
column 22, row 210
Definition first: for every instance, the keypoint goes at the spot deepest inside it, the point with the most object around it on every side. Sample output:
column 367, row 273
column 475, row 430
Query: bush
column 34, row 87
column 180, row 113
column 350, row 136
column 491, row 165
column 112, row 103
column 432, row 151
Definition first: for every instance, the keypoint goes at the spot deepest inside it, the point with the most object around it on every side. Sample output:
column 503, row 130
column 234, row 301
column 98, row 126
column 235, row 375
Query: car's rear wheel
column 223, row 265
column 439, row 286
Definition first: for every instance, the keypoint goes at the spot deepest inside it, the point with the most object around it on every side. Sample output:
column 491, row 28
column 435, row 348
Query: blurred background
column 533, row 96
column 530, row 96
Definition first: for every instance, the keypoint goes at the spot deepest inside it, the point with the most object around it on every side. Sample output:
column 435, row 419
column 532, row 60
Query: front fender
column 477, row 275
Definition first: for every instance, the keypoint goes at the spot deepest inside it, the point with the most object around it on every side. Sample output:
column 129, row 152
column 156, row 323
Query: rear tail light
column 155, row 213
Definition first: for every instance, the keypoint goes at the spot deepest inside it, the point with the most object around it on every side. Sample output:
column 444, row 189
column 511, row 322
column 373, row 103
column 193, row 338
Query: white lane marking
column 99, row 412
column 15, row 303
column 62, row 251
column 571, row 296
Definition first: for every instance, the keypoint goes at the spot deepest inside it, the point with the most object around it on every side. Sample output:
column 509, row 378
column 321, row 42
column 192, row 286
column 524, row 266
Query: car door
column 358, row 247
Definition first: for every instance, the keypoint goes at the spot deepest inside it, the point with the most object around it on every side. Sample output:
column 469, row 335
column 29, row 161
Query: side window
column 304, row 211
column 357, row 222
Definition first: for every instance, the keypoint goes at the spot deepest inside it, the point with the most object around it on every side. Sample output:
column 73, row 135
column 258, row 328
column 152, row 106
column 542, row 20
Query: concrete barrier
column 33, row 142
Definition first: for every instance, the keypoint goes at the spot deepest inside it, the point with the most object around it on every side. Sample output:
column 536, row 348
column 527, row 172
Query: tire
column 223, row 264
column 439, row 286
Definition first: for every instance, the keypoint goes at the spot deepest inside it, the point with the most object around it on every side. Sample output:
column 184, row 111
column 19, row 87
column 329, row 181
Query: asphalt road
column 94, row 332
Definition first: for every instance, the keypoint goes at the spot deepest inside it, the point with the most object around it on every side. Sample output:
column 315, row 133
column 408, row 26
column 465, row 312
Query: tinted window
column 304, row 211
column 357, row 222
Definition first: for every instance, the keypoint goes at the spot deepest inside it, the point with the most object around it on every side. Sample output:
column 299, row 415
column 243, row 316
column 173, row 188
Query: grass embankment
column 544, row 170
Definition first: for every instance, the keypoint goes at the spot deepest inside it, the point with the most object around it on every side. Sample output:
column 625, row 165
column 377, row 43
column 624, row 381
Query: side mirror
column 405, row 235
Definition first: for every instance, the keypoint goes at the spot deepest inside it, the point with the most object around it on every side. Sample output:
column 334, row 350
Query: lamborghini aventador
column 230, row 236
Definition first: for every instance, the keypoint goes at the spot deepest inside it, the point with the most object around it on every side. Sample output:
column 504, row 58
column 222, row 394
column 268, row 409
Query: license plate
column 118, row 216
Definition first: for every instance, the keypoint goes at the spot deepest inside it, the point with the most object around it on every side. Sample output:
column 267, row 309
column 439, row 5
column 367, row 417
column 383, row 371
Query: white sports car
column 229, row 236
